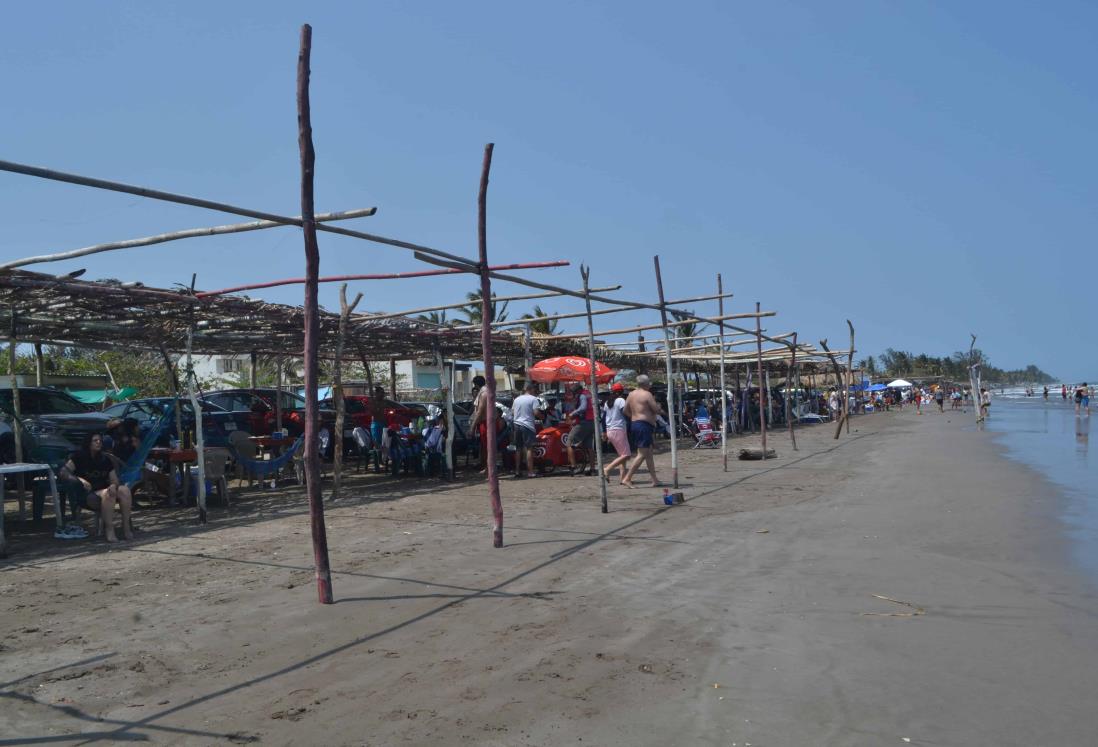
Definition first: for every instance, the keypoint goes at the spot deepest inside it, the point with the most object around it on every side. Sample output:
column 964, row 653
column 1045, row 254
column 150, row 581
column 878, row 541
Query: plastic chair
column 705, row 436
column 364, row 445
column 216, row 462
column 244, row 448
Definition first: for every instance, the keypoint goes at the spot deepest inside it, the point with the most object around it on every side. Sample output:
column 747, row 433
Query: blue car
column 217, row 423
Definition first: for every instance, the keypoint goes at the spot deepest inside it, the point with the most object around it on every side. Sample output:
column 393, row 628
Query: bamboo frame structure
column 724, row 407
column 672, row 419
column 486, row 345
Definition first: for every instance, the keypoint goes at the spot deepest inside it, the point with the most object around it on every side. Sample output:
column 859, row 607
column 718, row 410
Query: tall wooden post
column 173, row 382
column 393, row 378
column 253, row 375
column 345, row 310
column 527, row 353
column 486, row 347
column 672, row 419
column 446, row 382
column 724, row 407
column 278, row 396
column 17, row 426
column 849, row 375
column 759, row 347
column 312, row 323
column 39, row 364
column 585, row 272
column 200, row 441
column 791, row 398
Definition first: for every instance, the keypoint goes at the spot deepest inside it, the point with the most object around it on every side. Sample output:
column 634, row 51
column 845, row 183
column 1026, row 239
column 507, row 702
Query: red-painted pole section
column 312, row 326
column 486, row 347
column 386, row 276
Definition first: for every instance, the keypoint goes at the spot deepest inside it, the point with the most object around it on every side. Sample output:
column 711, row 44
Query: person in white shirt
column 525, row 431
column 617, row 430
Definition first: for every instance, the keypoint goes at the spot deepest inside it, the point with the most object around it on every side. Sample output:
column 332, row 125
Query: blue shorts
column 641, row 431
column 1085, row 402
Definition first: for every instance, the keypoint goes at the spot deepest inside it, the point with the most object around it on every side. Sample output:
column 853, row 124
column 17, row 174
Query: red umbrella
column 566, row 368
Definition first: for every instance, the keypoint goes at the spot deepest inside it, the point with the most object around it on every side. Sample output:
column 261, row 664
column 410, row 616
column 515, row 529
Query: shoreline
column 745, row 615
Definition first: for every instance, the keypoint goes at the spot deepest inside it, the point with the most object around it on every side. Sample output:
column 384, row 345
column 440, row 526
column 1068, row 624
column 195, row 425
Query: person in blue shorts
column 642, row 409
column 1082, row 399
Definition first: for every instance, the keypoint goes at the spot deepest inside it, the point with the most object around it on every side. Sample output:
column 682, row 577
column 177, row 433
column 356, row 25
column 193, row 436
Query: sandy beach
column 751, row 615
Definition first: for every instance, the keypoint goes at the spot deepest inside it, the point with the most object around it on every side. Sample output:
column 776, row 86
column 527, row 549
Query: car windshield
column 38, row 402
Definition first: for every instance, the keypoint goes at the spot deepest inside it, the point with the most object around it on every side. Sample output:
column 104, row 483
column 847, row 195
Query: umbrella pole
column 671, row 419
column 724, row 408
column 486, row 348
column 586, row 273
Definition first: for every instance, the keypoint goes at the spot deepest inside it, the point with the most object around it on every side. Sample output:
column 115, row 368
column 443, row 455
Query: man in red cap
column 617, row 430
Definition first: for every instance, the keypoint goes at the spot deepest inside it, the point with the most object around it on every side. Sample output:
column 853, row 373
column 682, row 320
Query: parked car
column 217, row 423
column 54, row 424
column 359, row 413
column 254, row 410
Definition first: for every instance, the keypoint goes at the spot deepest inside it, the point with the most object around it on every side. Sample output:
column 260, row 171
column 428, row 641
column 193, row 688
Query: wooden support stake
column 312, row 325
column 849, row 376
column 393, row 378
column 762, row 415
column 724, row 407
column 838, row 383
column 585, row 272
column 173, row 382
column 672, row 420
column 278, row 396
column 200, row 441
column 17, row 426
column 38, row 364
column 486, row 348
column 345, row 311
column 791, row 398
column 254, row 375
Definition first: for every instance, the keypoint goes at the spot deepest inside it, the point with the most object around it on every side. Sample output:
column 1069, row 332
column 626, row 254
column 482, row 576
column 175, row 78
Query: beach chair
column 364, row 447
column 704, row 435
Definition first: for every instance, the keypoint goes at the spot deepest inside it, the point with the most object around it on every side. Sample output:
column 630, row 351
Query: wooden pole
column 486, row 347
column 200, row 442
column 312, row 325
column 849, row 375
column 176, row 235
column 724, row 407
column 672, row 420
column 497, row 299
column 450, row 427
column 762, row 415
column 173, row 381
column 585, row 272
column 527, row 354
column 17, row 426
column 393, row 378
column 254, row 375
column 345, row 310
column 838, row 383
column 278, row 396
column 791, row 393
column 39, row 364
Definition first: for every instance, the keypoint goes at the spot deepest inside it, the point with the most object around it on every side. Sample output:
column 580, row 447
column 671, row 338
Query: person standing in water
column 1046, row 393
column 1064, row 392
column 1082, row 399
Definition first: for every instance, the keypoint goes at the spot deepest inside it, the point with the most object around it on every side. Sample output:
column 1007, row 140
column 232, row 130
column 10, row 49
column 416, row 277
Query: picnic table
column 25, row 468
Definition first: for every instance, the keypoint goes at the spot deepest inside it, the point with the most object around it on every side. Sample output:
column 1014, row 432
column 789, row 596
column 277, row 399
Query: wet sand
column 745, row 616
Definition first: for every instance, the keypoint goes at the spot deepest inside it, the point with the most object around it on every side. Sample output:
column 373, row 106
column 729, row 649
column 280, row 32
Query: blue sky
column 926, row 170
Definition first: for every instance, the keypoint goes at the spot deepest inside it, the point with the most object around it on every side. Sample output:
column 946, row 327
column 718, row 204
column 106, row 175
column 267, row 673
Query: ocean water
column 1052, row 439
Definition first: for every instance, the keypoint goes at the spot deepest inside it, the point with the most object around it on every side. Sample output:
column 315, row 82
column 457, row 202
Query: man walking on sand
column 525, row 434
column 642, row 409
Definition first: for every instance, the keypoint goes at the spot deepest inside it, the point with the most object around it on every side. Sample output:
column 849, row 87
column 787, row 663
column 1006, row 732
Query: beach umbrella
column 567, row 368
column 899, row 384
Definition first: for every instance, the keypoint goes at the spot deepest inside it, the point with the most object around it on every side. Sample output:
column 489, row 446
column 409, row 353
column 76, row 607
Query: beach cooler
column 550, row 450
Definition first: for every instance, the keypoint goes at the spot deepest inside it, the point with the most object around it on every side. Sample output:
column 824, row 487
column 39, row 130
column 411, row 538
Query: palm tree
column 435, row 317
column 685, row 328
column 541, row 325
column 472, row 309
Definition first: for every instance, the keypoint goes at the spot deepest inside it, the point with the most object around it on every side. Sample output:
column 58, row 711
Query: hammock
column 131, row 470
column 264, row 467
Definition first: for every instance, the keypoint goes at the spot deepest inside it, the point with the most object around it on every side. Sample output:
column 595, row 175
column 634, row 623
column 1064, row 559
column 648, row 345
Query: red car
column 256, row 407
column 359, row 413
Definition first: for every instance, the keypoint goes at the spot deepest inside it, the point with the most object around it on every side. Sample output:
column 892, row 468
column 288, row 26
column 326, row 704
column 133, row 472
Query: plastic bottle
column 668, row 499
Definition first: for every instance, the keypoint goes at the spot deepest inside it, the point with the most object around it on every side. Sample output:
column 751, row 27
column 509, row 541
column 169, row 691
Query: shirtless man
column 642, row 409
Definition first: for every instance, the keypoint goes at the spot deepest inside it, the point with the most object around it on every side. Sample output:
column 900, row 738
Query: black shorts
column 524, row 437
column 582, row 434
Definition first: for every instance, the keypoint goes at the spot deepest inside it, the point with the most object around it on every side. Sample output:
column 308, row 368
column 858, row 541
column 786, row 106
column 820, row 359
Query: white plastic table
column 22, row 467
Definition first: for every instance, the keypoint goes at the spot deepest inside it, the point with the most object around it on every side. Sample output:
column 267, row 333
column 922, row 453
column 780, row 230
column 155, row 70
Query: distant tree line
column 901, row 363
